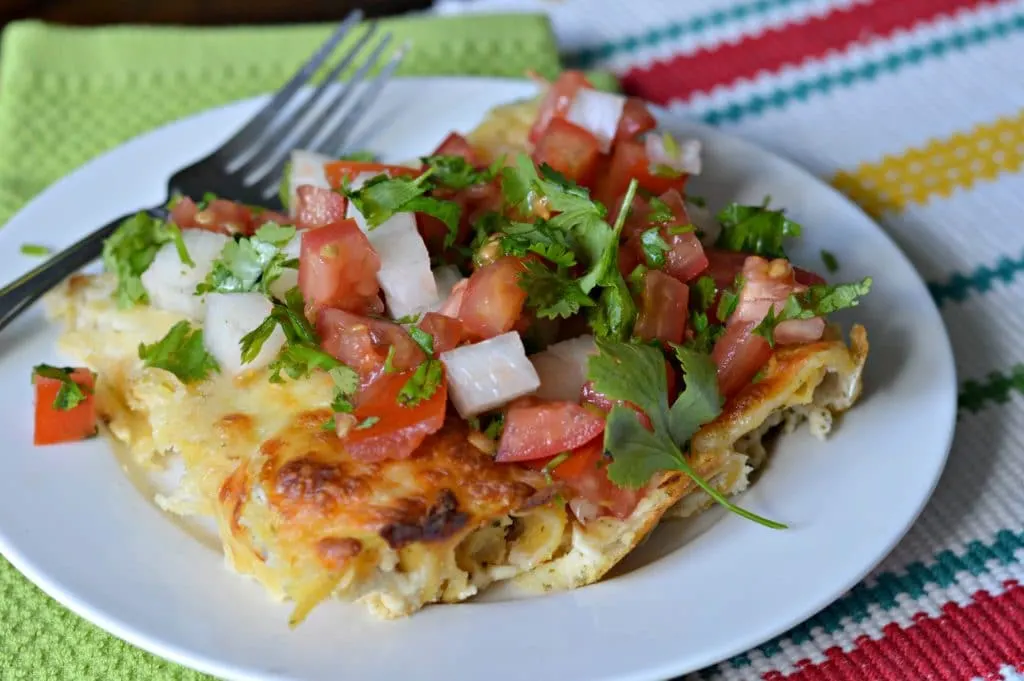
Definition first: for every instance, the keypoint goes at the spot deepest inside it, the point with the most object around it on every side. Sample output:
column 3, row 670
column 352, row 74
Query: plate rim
column 679, row 664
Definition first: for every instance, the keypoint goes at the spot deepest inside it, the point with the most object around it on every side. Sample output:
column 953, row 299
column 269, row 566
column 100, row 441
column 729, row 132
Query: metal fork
column 248, row 166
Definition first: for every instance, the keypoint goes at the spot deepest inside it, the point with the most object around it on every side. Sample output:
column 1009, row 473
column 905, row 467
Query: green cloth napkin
column 68, row 94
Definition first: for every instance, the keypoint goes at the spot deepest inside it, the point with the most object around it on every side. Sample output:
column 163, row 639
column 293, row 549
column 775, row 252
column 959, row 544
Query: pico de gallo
column 574, row 303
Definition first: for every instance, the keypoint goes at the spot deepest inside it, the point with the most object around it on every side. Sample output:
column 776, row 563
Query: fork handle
column 17, row 296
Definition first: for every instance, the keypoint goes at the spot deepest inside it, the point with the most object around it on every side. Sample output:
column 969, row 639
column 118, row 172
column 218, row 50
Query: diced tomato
column 339, row 171
column 395, row 430
column 585, row 476
column 434, row 232
column 686, row 259
column 316, row 207
column 663, row 308
column 363, row 343
column 447, row 331
column 220, row 215
column 739, row 353
column 636, row 120
column 630, row 255
column 590, row 396
column 629, row 160
column 493, row 300
column 569, row 149
column 535, row 429
column 799, row 331
column 557, row 101
column 723, row 266
column 54, row 425
column 457, row 145
column 338, row 268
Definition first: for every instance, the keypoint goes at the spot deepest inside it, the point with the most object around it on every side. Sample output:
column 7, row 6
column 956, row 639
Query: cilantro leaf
column 727, row 305
column 699, row 402
column 518, row 185
column 363, row 156
column 551, row 243
column 181, row 352
column 291, row 317
column 552, row 293
column 455, row 172
column 703, row 292
column 829, row 258
column 250, row 263
column 616, row 311
column 633, row 373
column 381, row 197
column 423, row 383
column 298, row 360
column 130, row 250
column 705, row 334
column 35, row 250
column 648, row 453
column 755, row 229
column 447, row 212
column 636, row 374
column 659, row 213
column 368, row 422
column 179, row 245
column 422, row 339
column 654, row 247
column 817, row 301
column 284, row 188
column 70, row 394
column 346, row 385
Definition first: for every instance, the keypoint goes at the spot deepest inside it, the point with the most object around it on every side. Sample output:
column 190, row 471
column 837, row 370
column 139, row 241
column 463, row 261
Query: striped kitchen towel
column 915, row 110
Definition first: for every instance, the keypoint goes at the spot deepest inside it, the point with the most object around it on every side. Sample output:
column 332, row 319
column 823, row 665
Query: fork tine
column 258, row 123
column 272, row 145
column 339, row 132
column 308, row 127
column 335, row 137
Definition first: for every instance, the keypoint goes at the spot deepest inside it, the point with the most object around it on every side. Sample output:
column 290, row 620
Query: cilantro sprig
column 616, row 312
column 755, row 229
column 817, row 301
column 552, row 293
column 423, row 383
column 70, row 394
column 250, row 263
column 635, row 373
column 130, row 250
column 181, row 352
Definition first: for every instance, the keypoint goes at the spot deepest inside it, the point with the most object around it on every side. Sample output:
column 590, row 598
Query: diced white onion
column 307, row 167
column 584, row 510
column 229, row 317
column 404, row 275
column 445, row 279
column 171, row 284
column 486, row 375
column 598, row 112
column 685, row 158
column 562, row 368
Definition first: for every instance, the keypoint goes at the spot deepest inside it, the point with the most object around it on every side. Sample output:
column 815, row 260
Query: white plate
column 80, row 528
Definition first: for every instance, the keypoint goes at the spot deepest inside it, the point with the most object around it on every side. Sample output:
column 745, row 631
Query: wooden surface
column 197, row 12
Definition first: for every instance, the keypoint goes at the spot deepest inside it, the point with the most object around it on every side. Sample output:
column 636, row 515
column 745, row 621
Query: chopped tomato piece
column 53, row 425
column 686, row 258
column 629, row 160
column 536, row 429
column 723, row 266
column 636, row 120
column 663, row 309
column 739, row 353
column 387, row 429
column 338, row 268
column 630, row 255
column 222, row 216
column 570, row 150
column 447, row 331
column 316, row 207
column 493, row 300
column 339, row 171
column 557, row 101
column 363, row 343
column 457, row 145
column 585, row 476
